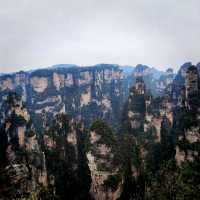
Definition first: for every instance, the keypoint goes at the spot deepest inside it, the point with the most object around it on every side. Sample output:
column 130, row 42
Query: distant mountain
column 155, row 80
column 143, row 70
column 104, row 65
column 128, row 70
column 180, row 77
column 198, row 67
column 178, row 83
column 64, row 66
column 165, row 80
column 157, row 73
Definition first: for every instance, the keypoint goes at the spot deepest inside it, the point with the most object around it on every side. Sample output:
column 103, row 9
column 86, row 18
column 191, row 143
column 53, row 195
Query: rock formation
column 89, row 92
column 22, row 161
column 106, row 180
column 154, row 153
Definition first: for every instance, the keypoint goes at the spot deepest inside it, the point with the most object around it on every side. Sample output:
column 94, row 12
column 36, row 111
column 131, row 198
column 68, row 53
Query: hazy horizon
column 38, row 34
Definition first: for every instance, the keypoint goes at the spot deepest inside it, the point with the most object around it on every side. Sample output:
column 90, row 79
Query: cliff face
column 179, row 82
column 165, row 81
column 148, row 140
column 164, row 133
column 154, row 155
column 51, row 165
column 188, row 120
column 106, row 180
column 23, row 165
column 155, row 80
column 187, row 138
column 67, row 169
column 144, row 118
column 85, row 92
column 144, row 112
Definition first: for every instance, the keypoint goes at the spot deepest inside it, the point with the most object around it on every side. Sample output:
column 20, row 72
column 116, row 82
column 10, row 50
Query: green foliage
column 174, row 183
column 59, row 126
column 68, row 163
column 185, row 119
column 137, row 103
column 164, row 185
column 167, row 140
column 129, row 187
column 189, row 181
column 112, row 182
column 104, row 167
column 17, row 120
column 155, row 106
column 30, row 133
column 12, row 97
column 102, row 129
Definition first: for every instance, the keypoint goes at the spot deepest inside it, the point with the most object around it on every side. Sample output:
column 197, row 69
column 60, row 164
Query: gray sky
column 39, row 33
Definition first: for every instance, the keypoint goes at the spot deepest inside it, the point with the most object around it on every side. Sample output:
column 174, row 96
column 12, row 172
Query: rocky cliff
column 106, row 179
column 87, row 93
column 155, row 80
column 51, row 165
column 162, row 141
column 188, row 119
column 23, row 163
column 153, row 155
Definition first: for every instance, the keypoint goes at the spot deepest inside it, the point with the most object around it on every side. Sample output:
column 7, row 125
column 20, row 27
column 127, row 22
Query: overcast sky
column 39, row 33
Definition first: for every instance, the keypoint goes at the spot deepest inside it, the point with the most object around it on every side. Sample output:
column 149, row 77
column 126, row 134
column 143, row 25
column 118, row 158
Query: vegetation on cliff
column 153, row 155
